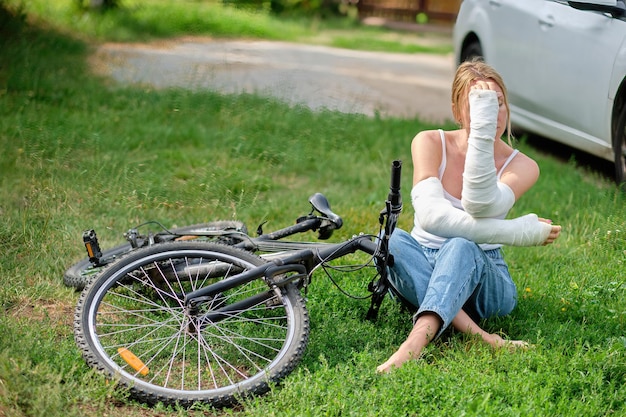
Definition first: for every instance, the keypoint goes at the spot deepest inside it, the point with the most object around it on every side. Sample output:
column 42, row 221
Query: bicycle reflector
column 131, row 359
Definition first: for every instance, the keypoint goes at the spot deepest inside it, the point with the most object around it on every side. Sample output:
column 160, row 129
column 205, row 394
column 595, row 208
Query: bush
column 321, row 8
column 98, row 4
column 304, row 8
column 252, row 5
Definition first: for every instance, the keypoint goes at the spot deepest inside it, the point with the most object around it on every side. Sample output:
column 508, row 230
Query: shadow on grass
column 11, row 21
column 37, row 60
column 567, row 154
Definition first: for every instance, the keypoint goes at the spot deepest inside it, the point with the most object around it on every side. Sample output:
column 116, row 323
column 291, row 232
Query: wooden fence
column 438, row 11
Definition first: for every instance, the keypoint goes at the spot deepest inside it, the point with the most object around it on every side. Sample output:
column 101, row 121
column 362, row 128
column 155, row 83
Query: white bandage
column 436, row 215
column 483, row 195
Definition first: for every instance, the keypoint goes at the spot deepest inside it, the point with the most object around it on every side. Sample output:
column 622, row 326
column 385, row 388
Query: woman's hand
column 497, row 342
column 484, row 85
column 482, row 92
column 554, row 234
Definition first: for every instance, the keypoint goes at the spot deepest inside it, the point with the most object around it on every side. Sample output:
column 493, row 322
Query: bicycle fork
column 276, row 274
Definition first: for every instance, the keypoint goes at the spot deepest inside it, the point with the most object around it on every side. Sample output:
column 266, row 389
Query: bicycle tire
column 136, row 304
column 79, row 274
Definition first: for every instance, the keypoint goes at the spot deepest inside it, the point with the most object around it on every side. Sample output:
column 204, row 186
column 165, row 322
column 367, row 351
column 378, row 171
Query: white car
column 564, row 65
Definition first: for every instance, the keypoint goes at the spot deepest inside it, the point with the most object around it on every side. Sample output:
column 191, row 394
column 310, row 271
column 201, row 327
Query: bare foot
column 422, row 333
column 396, row 360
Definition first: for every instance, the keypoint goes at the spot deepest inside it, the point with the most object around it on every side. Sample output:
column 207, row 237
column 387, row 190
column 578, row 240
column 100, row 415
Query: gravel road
column 390, row 84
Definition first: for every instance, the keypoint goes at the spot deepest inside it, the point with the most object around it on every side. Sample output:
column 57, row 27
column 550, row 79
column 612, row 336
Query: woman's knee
column 458, row 247
column 458, row 243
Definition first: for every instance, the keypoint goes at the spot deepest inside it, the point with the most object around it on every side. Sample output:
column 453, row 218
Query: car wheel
column 619, row 148
column 471, row 50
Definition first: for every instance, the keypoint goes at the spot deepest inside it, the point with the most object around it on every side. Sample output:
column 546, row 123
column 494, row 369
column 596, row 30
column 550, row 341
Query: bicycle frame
column 300, row 265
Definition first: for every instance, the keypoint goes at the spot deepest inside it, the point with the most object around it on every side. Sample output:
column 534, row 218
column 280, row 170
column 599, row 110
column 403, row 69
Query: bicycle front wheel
column 131, row 323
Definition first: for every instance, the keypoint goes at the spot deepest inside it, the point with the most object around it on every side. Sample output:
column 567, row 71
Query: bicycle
column 186, row 322
column 320, row 219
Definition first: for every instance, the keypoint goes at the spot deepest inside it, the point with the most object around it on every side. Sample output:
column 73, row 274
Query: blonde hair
column 467, row 72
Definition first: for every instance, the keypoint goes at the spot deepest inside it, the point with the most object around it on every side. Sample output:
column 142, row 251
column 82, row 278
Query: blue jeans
column 459, row 275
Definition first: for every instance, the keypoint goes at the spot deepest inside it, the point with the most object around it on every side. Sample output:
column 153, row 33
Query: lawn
column 79, row 152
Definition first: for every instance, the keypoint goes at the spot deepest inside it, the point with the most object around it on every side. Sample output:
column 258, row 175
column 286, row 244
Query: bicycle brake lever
column 259, row 230
column 131, row 236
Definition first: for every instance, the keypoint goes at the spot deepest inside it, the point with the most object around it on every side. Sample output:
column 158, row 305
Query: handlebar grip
column 395, row 198
column 396, row 171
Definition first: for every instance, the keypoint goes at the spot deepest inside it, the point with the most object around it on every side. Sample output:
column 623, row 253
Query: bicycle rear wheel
column 78, row 275
column 131, row 323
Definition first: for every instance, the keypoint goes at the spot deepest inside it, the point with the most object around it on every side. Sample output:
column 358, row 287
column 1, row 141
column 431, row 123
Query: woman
column 464, row 183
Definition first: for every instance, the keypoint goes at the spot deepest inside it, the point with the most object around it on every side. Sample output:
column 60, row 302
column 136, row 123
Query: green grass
column 139, row 20
column 79, row 153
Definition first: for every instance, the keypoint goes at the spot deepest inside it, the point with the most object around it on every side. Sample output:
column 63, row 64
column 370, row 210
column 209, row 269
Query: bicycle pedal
column 93, row 247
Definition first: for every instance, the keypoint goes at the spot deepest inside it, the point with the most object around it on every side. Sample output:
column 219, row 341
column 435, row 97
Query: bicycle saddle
column 321, row 204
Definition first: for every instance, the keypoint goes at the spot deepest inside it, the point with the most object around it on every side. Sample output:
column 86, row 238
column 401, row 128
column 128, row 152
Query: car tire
column 472, row 50
column 619, row 148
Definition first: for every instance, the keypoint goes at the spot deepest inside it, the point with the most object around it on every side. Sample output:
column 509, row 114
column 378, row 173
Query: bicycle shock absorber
column 388, row 218
column 93, row 247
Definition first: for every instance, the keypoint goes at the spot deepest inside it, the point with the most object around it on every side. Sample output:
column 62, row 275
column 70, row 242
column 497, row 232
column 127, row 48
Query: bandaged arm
column 483, row 195
column 436, row 215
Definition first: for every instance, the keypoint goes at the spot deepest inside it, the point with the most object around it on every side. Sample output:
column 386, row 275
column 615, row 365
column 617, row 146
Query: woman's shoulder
column 429, row 134
column 522, row 161
column 428, row 138
column 427, row 154
column 520, row 174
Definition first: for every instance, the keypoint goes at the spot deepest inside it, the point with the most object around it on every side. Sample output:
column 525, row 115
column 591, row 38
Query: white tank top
column 433, row 241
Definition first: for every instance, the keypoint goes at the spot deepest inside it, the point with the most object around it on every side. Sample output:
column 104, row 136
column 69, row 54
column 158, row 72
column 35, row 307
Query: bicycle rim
column 132, row 325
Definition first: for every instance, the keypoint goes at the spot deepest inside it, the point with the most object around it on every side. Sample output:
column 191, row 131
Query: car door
column 576, row 53
column 515, row 36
